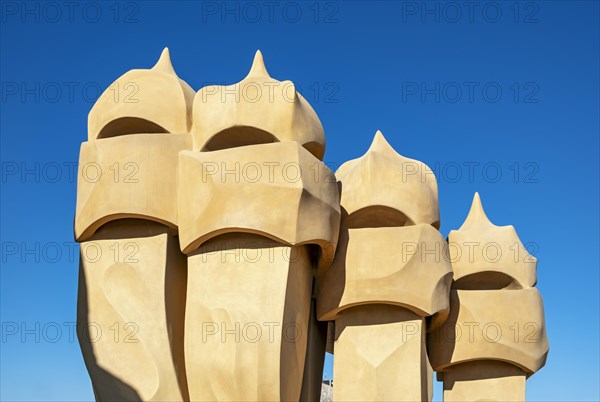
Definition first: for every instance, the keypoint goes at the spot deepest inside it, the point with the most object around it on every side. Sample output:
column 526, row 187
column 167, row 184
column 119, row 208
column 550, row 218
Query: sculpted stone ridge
column 132, row 176
column 263, row 288
column 391, row 270
column 142, row 295
column 276, row 190
column 366, row 271
column 484, row 255
column 209, row 224
column 501, row 382
column 258, row 109
column 151, row 100
column 410, row 186
column 503, row 325
column 380, row 355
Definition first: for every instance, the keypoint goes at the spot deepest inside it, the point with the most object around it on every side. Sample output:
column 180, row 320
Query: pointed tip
column 476, row 207
column 380, row 144
column 476, row 213
column 258, row 66
column 164, row 62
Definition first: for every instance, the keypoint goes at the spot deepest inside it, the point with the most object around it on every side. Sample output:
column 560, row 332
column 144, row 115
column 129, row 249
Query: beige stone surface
column 380, row 355
column 484, row 381
column 258, row 109
column 495, row 336
column 385, row 188
column 130, row 312
column 486, row 256
column 391, row 270
column 255, row 193
column 279, row 190
column 143, row 101
column 502, row 325
column 208, row 228
column 247, row 318
column 404, row 266
column 131, row 176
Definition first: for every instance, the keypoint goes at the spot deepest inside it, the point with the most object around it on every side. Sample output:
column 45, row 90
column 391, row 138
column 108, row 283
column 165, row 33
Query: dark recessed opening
column 377, row 217
column 130, row 125
column 238, row 136
column 486, row 280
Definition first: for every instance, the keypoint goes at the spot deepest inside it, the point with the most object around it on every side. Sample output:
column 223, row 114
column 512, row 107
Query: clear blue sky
column 509, row 89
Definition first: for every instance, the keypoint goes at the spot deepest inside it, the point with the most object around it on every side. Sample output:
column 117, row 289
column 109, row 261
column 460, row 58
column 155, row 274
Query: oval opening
column 377, row 216
column 316, row 149
column 486, row 280
column 238, row 136
column 130, row 125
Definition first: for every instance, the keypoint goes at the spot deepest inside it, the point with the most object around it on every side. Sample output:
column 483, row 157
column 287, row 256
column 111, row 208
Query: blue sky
column 502, row 98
